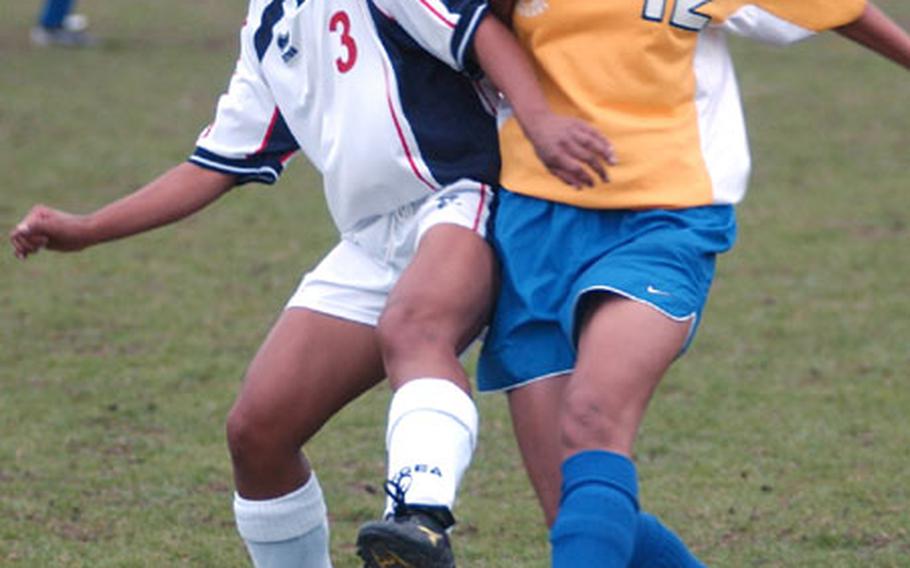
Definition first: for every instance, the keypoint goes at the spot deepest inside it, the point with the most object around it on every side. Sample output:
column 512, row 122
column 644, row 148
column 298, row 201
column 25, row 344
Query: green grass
column 780, row 440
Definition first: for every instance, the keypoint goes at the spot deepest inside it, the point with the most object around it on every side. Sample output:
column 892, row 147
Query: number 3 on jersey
column 685, row 13
column 341, row 23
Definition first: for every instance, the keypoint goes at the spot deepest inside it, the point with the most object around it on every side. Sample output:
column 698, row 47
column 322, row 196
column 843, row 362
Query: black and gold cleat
column 414, row 536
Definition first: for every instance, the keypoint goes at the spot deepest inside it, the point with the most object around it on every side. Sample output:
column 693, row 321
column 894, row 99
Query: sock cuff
column 281, row 518
column 600, row 466
column 433, row 395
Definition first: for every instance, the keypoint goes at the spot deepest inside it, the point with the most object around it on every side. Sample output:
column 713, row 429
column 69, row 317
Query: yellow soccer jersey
column 656, row 78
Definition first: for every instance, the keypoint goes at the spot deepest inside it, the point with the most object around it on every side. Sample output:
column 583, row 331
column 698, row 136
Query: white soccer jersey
column 380, row 95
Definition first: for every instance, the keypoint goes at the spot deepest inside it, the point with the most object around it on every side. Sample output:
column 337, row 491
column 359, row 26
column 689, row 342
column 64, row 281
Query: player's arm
column 878, row 32
column 178, row 193
column 447, row 27
column 563, row 144
column 503, row 10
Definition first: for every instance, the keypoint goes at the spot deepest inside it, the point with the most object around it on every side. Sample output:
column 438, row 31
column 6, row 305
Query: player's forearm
column 178, row 193
column 879, row 33
column 510, row 70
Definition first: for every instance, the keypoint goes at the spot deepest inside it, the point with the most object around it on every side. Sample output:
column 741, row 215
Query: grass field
column 781, row 440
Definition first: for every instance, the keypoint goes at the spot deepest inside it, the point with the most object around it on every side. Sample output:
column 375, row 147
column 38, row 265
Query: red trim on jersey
column 438, row 14
column 480, row 207
column 401, row 138
column 268, row 133
column 287, row 156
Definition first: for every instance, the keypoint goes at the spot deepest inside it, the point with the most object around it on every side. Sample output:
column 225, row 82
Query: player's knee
column 240, row 434
column 587, row 423
column 401, row 328
column 253, row 438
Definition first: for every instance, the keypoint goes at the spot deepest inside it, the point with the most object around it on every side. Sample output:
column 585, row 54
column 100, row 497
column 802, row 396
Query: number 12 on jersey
column 685, row 13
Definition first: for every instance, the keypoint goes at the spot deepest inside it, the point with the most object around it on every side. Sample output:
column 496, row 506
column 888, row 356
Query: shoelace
column 396, row 490
column 440, row 517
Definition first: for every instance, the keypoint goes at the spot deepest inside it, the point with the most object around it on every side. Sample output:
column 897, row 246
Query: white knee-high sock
column 288, row 531
column 431, row 435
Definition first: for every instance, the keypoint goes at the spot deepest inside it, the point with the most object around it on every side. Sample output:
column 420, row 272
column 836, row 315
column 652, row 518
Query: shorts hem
column 692, row 317
column 336, row 311
column 522, row 383
column 633, row 297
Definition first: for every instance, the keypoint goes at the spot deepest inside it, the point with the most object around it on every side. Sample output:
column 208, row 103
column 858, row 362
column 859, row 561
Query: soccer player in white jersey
column 603, row 288
column 384, row 98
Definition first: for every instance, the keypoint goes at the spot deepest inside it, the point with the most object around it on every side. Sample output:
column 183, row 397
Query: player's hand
column 570, row 148
column 49, row 228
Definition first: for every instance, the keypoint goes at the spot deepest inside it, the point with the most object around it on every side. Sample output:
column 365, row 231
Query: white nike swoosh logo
column 656, row 292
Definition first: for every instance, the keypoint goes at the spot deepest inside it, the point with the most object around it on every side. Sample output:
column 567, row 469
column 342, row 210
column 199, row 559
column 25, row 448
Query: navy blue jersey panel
column 270, row 16
column 456, row 135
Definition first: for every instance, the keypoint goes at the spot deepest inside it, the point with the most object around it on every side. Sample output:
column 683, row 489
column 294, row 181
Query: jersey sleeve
column 444, row 28
column 248, row 137
column 782, row 21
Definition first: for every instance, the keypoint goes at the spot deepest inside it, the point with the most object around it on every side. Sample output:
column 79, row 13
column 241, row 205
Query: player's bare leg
column 438, row 307
column 624, row 350
column 535, row 413
column 535, row 409
column 309, row 367
column 625, row 347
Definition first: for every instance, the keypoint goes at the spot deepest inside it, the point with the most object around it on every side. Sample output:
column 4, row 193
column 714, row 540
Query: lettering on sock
column 407, row 471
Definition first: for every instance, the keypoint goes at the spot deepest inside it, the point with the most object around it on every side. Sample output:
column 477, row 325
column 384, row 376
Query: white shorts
column 354, row 280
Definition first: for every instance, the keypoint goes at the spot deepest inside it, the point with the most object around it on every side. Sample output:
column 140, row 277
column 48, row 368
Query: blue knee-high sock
column 656, row 546
column 598, row 512
column 54, row 12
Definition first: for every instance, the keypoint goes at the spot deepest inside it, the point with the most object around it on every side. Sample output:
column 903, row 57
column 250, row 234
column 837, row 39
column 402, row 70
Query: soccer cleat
column 413, row 536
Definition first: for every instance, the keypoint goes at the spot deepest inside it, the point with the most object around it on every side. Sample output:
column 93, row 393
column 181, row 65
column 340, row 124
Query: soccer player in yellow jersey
column 602, row 288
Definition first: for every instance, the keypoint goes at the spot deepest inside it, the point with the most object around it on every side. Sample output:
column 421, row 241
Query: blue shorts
column 553, row 254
